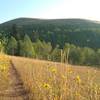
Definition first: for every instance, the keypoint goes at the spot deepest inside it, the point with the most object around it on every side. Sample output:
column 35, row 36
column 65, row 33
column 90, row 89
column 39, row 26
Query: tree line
column 44, row 50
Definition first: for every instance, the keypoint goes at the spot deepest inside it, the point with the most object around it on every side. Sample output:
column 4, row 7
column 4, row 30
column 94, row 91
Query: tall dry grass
column 55, row 81
column 4, row 69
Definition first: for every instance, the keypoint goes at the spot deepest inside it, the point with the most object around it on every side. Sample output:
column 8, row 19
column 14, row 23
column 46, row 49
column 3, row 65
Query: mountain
column 80, row 32
column 34, row 21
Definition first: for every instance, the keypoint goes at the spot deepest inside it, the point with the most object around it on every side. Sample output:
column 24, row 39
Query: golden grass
column 55, row 81
column 4, row 71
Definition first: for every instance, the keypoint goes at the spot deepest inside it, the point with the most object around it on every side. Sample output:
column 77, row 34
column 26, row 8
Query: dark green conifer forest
column 74, row 41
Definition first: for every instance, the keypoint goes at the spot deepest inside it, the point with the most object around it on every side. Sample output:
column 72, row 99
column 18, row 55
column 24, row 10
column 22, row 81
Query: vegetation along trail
column 15, row 89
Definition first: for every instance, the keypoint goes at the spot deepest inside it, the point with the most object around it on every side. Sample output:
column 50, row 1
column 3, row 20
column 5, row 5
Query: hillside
column 30, row 21
column 57, row 31
column 51, row 80
column 32, row 79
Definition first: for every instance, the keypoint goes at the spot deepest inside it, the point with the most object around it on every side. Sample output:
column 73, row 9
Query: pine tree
column 12, row 46
column 26, row 47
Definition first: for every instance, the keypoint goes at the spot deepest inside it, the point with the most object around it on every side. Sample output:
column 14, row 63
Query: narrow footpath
column 16, row 89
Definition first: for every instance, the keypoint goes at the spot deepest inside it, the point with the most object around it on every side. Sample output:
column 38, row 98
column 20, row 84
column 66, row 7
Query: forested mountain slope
column 57, row 31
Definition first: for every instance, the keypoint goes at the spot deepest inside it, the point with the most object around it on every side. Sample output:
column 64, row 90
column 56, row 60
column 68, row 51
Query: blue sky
column 10, row 9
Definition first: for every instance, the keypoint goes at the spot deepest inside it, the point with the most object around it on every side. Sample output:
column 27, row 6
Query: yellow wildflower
column 53, row 69
column 78, row 79
column 46, row 86
column 4, row 64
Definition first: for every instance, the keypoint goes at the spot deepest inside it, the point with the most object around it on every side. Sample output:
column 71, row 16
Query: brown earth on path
column 16, row 89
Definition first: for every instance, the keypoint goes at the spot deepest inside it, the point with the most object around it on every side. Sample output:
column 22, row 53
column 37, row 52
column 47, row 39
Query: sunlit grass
column 55, row 81
column 4, row 71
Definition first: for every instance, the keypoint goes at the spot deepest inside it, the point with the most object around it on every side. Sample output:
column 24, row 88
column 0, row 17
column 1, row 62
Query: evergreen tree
column 26, row 47
column 12, row 46
column 35, row 36
column 56, row 54
column 89, row 56
column 16, row 32
column 44, row 47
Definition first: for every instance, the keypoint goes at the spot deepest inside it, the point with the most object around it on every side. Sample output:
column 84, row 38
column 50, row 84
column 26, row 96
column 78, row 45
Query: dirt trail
column 16, row 90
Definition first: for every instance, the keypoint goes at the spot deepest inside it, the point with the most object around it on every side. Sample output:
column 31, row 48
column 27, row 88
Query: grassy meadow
column 56, row 81
column 4, row 69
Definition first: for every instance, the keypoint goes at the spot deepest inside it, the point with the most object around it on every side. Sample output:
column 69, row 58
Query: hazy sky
column 88, row 9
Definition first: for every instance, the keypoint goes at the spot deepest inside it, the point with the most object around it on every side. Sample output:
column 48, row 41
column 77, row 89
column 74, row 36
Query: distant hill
column 80, row 32
column 33, row 21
